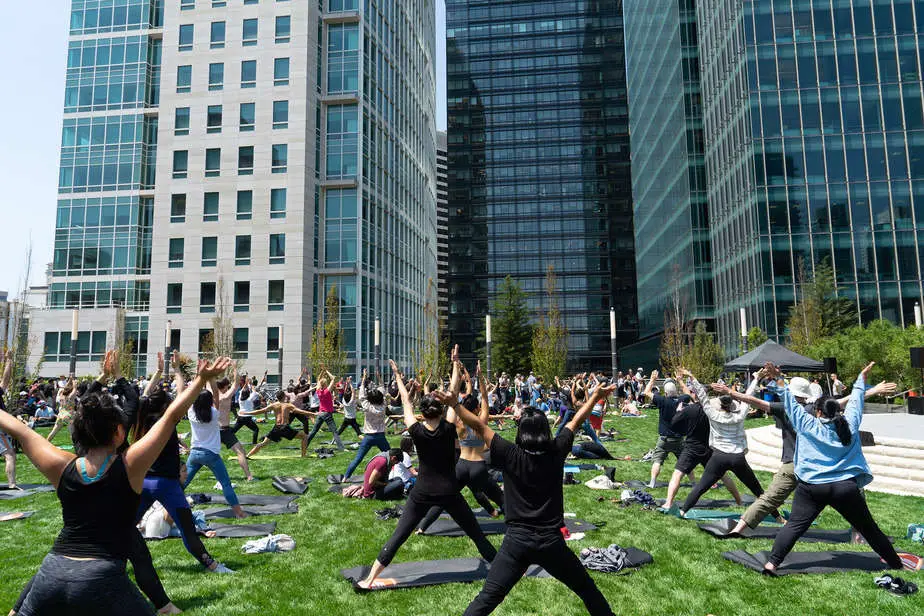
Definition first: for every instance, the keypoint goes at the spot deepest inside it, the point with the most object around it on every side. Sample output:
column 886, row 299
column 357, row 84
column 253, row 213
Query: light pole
column 75, row 320
column 613, row 340
column 917, row 315
column 377, row 344
column 487, row 341
column 281, row 326
column 744, row 330
column 167, row 331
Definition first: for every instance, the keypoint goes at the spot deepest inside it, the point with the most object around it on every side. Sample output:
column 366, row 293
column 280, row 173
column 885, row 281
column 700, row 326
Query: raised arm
column 854, row 410
column 141, row 454
column 48, row 459
column 702, row 396
column 647, row 393
column 725, row 390
column 156, row 377
column 333, row 381
column 600, row 393
column 451, row 399
column 409, row 418
column 882, row 389
column 7, row 377
column 485, row 410
column 179, row 383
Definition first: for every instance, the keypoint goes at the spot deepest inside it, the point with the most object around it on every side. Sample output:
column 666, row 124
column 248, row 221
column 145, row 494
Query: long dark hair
column 830, row 410
column 150, row 409
column 96, row 420
column 202, row 407
column 533, row 433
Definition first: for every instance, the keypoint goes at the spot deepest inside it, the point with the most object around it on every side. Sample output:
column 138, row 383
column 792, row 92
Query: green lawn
column 689, row 575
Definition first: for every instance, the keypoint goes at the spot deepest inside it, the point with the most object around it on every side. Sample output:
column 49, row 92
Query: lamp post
column 75, row 320
column 917, row 315
column 487, row 341
column 744, row 329
column 280, row 368
column 377, row 344
column 613, row 340
column 167, row 331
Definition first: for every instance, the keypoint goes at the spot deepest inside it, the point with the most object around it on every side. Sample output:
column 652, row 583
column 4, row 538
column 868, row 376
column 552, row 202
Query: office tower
column 672, row 244
column 814, row 141
column 265, row 152
column 539, row 170
column 442, row 227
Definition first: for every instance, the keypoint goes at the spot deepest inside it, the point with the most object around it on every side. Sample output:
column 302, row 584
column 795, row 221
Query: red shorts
column 596, row 421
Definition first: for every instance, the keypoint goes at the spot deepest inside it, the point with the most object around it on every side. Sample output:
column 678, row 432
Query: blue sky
column 33, row 53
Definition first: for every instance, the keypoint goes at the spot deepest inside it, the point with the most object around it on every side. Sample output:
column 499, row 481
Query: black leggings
column 250, row 424
column 475, row 476
column 546, row 548
column 350, row 422
column 414, row 512
column 847, row 500
column 719, row 464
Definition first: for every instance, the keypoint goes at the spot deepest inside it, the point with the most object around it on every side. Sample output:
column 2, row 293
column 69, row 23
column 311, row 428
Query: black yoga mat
column 430, row 573
column 238, row 531
column 291, row 485
column 445, row 526
column 339, row 479
column 25, row 489
column 717, row 503
column 811, row 562
column 254, row 499
column 254, row 510
column 15, row 515
column 721, row 528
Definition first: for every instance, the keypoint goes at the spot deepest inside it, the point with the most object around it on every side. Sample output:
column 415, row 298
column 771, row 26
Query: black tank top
column 436, row 454
column 99, row 516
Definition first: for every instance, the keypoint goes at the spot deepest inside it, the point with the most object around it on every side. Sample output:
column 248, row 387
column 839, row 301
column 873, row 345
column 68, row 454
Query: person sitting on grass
column 376, row 483
column 831, row 470
column 533, row 469
column 282, row 430
column 99, row 492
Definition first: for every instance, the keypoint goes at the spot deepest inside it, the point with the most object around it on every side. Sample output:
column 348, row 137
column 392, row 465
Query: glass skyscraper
column 539, row 169
column 672, row 243
column 241, row 157
column 814, row 136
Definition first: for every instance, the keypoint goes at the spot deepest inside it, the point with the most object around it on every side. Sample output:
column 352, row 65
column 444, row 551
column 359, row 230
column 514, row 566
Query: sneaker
column 221, row 568
column 896, row 586
column 217, row 485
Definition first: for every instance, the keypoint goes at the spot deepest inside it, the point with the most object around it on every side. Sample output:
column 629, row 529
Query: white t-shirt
column 402, row 469
column 349, row 408
column 246, row 404
column 205, row 435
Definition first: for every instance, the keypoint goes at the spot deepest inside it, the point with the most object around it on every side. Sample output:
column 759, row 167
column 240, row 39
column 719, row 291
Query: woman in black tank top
column 99, row 493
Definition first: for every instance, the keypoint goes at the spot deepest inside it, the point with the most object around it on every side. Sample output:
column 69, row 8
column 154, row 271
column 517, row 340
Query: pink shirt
column 326, row 401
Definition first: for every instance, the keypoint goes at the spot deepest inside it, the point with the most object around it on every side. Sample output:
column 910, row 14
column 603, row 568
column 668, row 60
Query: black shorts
column 282, row 432
column 228, row 438
column 691, row 457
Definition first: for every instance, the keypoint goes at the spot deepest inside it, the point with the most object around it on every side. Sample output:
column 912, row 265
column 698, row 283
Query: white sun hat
column 801, row 388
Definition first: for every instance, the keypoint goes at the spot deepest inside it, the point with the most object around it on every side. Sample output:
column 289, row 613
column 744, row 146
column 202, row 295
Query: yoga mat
column 720, row 530
column 254, row 499
column 718, row 514
column 25, row 489
column 291, row 485
column 338, row 479
column 16, row 515
column 254, row 510
column 635, row 484
column 261, row 456
column 430, row 573
column 236, row 531
column 811, row 562
column 717, row 503
column 447, row 527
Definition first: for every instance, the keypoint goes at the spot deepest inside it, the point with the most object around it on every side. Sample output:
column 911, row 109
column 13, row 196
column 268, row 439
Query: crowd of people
column 124, row 454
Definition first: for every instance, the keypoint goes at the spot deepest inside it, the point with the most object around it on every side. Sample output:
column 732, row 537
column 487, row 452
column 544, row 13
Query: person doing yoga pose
column 282, row 430
column 84, row 574
column 372, row 401
column 223, row 392
column 348, row 408
column 533, row 469
column 325, row 393
column 436, row 485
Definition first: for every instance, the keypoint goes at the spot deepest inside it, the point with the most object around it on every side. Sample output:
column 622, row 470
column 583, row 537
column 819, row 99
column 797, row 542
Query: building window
column 246, row 2
column 340, row 237
column 175, row 252
column 210, row 204
column 187, row 5
column 283, row 28
column 213, row 121
column 281, row 72
column 178, row 208
column 207, row 297
column 241, row 342
column 216, row 76
column 209, row 251
column 249, row 74
column 272, row 342
column 242, row 250
column 278, row 203
column 343, row 5
column 212, row 162
column 277, row 248
column 245, row 160
column 249, row 35
column 181, row 121
column 248, row 117
column 180, row 164
column 206, row 338
column 174, row 298
column 342, row 142
column 280, row 114
column 217, row 40
column 342, row 58
column 187, row 34
column 241, row 296
column 276, row 295
column 280, row 158
column 183, row 78
column 217, row 4
column 244, row 204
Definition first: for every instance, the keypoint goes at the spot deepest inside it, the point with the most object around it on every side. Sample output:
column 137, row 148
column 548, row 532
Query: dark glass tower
column 539, row 166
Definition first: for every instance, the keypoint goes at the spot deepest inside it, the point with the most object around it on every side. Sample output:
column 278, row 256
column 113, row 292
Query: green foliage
column 127, row 358
column 819, row 312
column 756, row 337
column 327, row 352
column 883, row 342
column 429, row 356
column 704, row 357
column 511, row 329
column 550, row 337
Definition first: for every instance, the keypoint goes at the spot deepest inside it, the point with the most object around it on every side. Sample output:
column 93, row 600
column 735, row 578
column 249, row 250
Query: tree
column 756, row 337
column 704, row 357
column 327, row 352
column 511, row 331
column 20, row 342
column 550, row 337
column 427, row 357
column 818, row 311
column 673, row 340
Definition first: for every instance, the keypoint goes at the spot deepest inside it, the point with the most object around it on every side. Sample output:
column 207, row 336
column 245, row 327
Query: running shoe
column 221, row 568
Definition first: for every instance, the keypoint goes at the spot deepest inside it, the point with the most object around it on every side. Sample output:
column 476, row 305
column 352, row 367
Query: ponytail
column 830, row 410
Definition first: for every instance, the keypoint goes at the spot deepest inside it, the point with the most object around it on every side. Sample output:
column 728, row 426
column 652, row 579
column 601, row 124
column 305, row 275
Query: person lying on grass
column 282, row 430
column 533, row 469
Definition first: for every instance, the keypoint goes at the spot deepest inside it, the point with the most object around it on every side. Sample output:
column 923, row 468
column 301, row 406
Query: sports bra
column 472, row 439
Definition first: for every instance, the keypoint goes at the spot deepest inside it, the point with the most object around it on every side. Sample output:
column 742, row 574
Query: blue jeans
column 369, row 441
column 203, row 457
column 585, row 427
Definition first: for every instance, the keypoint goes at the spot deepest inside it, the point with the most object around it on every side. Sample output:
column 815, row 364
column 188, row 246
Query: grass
column 688, row 577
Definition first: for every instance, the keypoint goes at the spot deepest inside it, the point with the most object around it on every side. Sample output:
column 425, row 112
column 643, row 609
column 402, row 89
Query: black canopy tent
column 776, row 354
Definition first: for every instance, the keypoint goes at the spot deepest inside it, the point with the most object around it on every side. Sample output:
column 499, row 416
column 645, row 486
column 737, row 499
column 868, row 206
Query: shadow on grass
column 201, row 600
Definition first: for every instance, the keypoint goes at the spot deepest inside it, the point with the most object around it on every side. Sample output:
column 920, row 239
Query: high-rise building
column 226, row 163
column 442, row 227
column 672, row 243
column 814, row 142
column 539, row 170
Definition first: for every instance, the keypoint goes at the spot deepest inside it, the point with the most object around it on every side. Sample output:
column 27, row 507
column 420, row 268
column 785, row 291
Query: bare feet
column 239, row 512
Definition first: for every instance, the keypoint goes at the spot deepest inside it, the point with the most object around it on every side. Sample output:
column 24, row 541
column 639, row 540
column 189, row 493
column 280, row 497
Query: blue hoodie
column 820, row 456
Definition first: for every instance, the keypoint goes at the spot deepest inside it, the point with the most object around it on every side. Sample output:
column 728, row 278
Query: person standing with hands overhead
column 325, row 393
